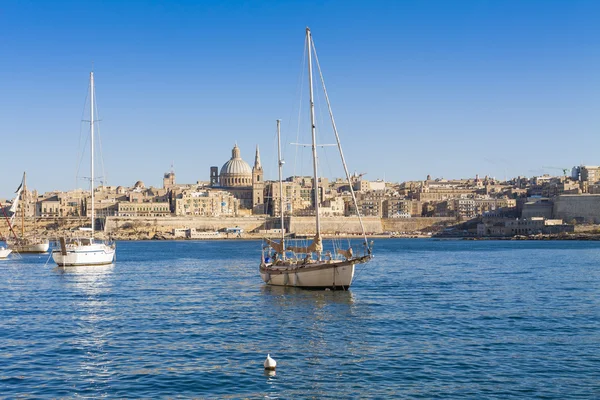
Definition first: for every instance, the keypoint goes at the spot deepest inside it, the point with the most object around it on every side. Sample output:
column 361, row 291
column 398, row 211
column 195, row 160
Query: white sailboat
column 4, row 252
column 293, row 265
column 86, row 250
column 25, row 244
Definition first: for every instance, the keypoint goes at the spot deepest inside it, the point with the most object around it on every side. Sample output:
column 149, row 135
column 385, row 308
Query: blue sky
column 447, row 88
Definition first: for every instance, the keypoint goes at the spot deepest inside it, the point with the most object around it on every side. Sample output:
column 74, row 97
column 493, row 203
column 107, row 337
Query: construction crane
column 564, row 170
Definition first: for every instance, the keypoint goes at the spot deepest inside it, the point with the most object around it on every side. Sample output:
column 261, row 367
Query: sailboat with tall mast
column 26, row 244
column 86, row 250
column 308, row 266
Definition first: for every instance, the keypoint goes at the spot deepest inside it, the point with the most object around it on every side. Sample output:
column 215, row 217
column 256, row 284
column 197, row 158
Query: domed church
column 235, row 172
column 244, row 183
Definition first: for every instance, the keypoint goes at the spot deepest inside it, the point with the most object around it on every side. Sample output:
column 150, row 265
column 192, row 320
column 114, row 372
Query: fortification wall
column 413, row 224
column 144, row 228
column 299, row 225
column 333, row 225
column 167, row 224
column 582, row 207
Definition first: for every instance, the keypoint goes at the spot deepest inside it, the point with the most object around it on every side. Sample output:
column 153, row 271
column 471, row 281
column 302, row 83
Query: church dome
column 139, row 185
column 236, row 172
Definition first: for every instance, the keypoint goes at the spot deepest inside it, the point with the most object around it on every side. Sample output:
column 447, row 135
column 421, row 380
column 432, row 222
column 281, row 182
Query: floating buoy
column 270, row 364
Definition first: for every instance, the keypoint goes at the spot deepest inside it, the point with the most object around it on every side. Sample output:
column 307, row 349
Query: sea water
column 424, row 319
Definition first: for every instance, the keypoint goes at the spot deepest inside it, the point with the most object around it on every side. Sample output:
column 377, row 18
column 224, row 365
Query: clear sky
column 447, row 88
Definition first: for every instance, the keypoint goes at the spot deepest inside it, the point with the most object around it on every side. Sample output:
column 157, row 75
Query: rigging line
column 99, row 138
column 297, row 97
column 302, row 74
column 49, row 257
column 80, row 152
column 340, row 146
column 326, row 162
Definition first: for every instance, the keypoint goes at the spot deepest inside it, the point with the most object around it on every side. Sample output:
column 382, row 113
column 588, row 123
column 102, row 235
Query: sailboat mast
column 313, row 132
column 92, row 144
column 280, row 186
column 23, row 199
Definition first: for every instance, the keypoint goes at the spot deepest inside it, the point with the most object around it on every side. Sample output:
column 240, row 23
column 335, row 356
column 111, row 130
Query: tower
column 214, row 176
column 258, row 185
column 169, row 180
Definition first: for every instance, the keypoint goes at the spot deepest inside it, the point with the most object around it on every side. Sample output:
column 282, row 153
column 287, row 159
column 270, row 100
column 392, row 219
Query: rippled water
column 425, row 319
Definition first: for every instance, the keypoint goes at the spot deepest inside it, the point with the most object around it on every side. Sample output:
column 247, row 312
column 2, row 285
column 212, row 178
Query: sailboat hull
column 41, row 247
column 79, row 255
column 4, row 252
column 318, row 275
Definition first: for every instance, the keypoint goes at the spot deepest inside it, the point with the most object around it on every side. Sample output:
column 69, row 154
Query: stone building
column 206, row 203
column 169, row 180
column 590, row 173
column 148, row 209
column 292, row 199
column 525, row 226
column 62, row 204
column 394, row 207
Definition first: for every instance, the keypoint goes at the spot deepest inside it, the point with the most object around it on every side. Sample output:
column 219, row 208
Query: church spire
column 257, row 159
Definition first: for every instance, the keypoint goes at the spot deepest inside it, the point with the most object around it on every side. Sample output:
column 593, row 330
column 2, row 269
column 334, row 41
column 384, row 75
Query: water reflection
column 93, row 312
column 319, row 297
column 316, row 328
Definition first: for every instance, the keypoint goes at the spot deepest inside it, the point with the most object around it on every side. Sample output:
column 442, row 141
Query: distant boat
column 86, row 250
column 294, row 265
column 25, row 244
column 4, row 252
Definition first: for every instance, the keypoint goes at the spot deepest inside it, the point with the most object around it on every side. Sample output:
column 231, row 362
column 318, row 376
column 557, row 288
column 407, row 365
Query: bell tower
column 258, row 186
column 214, row 176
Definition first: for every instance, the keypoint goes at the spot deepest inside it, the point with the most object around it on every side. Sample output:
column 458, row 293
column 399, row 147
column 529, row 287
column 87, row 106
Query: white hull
column 84, row 254
column 5, row 252
column 41, row 247
column 318, row 275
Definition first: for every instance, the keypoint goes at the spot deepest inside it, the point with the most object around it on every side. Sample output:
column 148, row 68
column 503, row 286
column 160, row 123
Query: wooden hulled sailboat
column 26, row 244
column 86, row 250
column 307, row 266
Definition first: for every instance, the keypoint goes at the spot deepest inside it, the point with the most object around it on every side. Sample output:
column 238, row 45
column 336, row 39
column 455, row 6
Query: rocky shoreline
column 55, row 228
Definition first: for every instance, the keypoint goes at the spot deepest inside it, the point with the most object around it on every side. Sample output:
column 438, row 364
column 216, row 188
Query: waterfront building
column 440, row 190
column 206, row 203
column 524, row 226
column 62, row 204
column 49, row 207
column 401, row 208
column 369, row 204
column 537, row 207
column 333, row 207
column 147, row 209
column 292, row 198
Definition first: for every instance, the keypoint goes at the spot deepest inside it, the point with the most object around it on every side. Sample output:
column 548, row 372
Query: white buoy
column 270, row 364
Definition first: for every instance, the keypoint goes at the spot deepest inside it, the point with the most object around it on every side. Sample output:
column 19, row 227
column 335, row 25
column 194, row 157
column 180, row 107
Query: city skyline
column 450, row 90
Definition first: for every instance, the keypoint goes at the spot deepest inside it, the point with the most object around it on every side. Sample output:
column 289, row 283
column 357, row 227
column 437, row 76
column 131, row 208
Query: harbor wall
column 583, row 208
column 333, row 225
column 413, row 224
column 299, row 225
column 146, row 228
column 167, row 224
